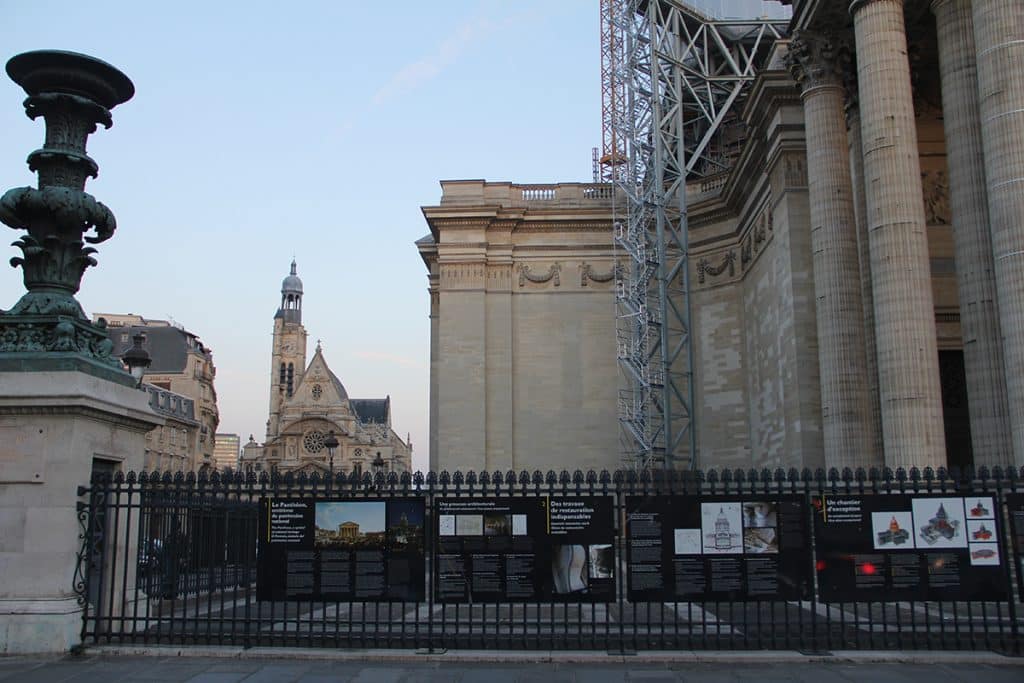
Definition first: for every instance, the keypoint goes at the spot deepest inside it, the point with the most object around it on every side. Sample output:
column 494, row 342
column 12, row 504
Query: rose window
column 313, row 442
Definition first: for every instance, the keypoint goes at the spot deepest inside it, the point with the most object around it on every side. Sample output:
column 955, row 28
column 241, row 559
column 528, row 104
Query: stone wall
column 523, row 367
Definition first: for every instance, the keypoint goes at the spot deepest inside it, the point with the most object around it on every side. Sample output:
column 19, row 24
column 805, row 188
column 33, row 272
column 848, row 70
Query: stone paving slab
column 587, row 657
column 327, row 667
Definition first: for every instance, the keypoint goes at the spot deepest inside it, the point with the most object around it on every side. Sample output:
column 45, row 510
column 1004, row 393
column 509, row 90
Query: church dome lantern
column 291, row 297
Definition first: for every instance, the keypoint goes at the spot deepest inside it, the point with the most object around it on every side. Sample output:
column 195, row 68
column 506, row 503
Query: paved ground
column 231, row 666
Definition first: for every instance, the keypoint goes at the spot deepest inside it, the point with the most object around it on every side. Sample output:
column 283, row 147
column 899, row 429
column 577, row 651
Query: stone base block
column 34, row 626
column 55, row 428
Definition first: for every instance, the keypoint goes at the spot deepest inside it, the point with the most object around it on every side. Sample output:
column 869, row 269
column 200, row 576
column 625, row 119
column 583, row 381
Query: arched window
column 291, row 378
column 283, row 374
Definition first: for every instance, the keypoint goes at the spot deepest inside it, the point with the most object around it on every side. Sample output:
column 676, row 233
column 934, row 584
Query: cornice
column 462, row 223
column 698, row 217
column 771, row 89
column 821, row 14
column 771, row 92
column 448, row 247
column 535, row 226
column 118, row 420
column 607, row 247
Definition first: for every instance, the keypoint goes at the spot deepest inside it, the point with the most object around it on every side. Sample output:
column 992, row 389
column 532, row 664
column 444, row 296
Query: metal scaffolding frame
column 672, row 79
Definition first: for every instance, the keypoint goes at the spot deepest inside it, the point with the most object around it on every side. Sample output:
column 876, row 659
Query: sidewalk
column 231, row 665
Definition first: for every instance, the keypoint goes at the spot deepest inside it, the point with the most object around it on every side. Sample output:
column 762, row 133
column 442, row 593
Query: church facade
column 856, row 277
column 308, row 403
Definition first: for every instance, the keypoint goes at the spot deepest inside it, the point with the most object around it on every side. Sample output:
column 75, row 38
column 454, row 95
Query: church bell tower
column 288, row 358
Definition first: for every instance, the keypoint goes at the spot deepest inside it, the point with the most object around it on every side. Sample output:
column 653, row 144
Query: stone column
column 875, row 454
column 816, row 63
column 435, row 317
column 908, row 363
column 999, row 39
column 979, row 314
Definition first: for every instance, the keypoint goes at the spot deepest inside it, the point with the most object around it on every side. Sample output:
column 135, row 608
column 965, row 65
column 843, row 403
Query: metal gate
column 172, row 558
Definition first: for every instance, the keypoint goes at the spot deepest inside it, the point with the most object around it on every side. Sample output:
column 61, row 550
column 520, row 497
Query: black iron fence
column 173, row 559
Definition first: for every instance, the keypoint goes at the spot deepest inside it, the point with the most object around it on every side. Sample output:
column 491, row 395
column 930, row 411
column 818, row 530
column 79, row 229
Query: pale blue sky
column 263, row 130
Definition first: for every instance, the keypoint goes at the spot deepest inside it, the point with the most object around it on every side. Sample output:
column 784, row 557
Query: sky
column 263, row 131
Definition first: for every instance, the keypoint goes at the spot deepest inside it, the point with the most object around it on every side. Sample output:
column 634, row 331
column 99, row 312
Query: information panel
column 525, row 549
column 717, row 548
column 1015, row 507
column 908, row 547
column 366, row 549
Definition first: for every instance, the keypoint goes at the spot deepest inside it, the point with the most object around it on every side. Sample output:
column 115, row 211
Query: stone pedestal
column 54, row 425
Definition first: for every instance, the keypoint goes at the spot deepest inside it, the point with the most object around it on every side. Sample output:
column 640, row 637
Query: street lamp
column 331, row 443
column 137, row 359
column 378, row 466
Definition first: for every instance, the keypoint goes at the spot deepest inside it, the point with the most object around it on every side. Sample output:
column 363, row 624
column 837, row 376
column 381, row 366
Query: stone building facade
column 226, row 451
column 309, row 402
column 522, row 326
column 173, row 446
column 856, row 277
column 181, row 365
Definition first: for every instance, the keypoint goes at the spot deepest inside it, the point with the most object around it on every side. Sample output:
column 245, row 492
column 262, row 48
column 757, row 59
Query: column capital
column 816, row 59
column 858, row 5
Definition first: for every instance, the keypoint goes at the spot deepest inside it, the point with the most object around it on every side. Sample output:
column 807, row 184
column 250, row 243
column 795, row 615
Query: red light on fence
column 868, row 568
column 820, row 565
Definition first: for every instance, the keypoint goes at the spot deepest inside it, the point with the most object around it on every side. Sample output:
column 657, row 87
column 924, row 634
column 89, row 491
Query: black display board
column 1015, row 507
column 344, row 549
column 524, row 549
column 908, row 547
column 717, row 548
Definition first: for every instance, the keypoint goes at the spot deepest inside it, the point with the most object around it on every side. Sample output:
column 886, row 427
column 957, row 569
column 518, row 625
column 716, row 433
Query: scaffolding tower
column 672, row 80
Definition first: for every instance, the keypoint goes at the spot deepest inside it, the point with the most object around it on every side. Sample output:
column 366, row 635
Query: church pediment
column 319, row 390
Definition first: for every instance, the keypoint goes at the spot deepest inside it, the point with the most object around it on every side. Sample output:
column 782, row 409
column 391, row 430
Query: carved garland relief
column 757, row 236
column 704, row 266
column 587, row 274
column 552, row 274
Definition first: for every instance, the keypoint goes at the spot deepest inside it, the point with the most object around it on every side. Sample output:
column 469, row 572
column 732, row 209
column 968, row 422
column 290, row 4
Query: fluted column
column 979, row 315
column 876, row 450
column 908, row 362
column 816, row 62
column 999, row 40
